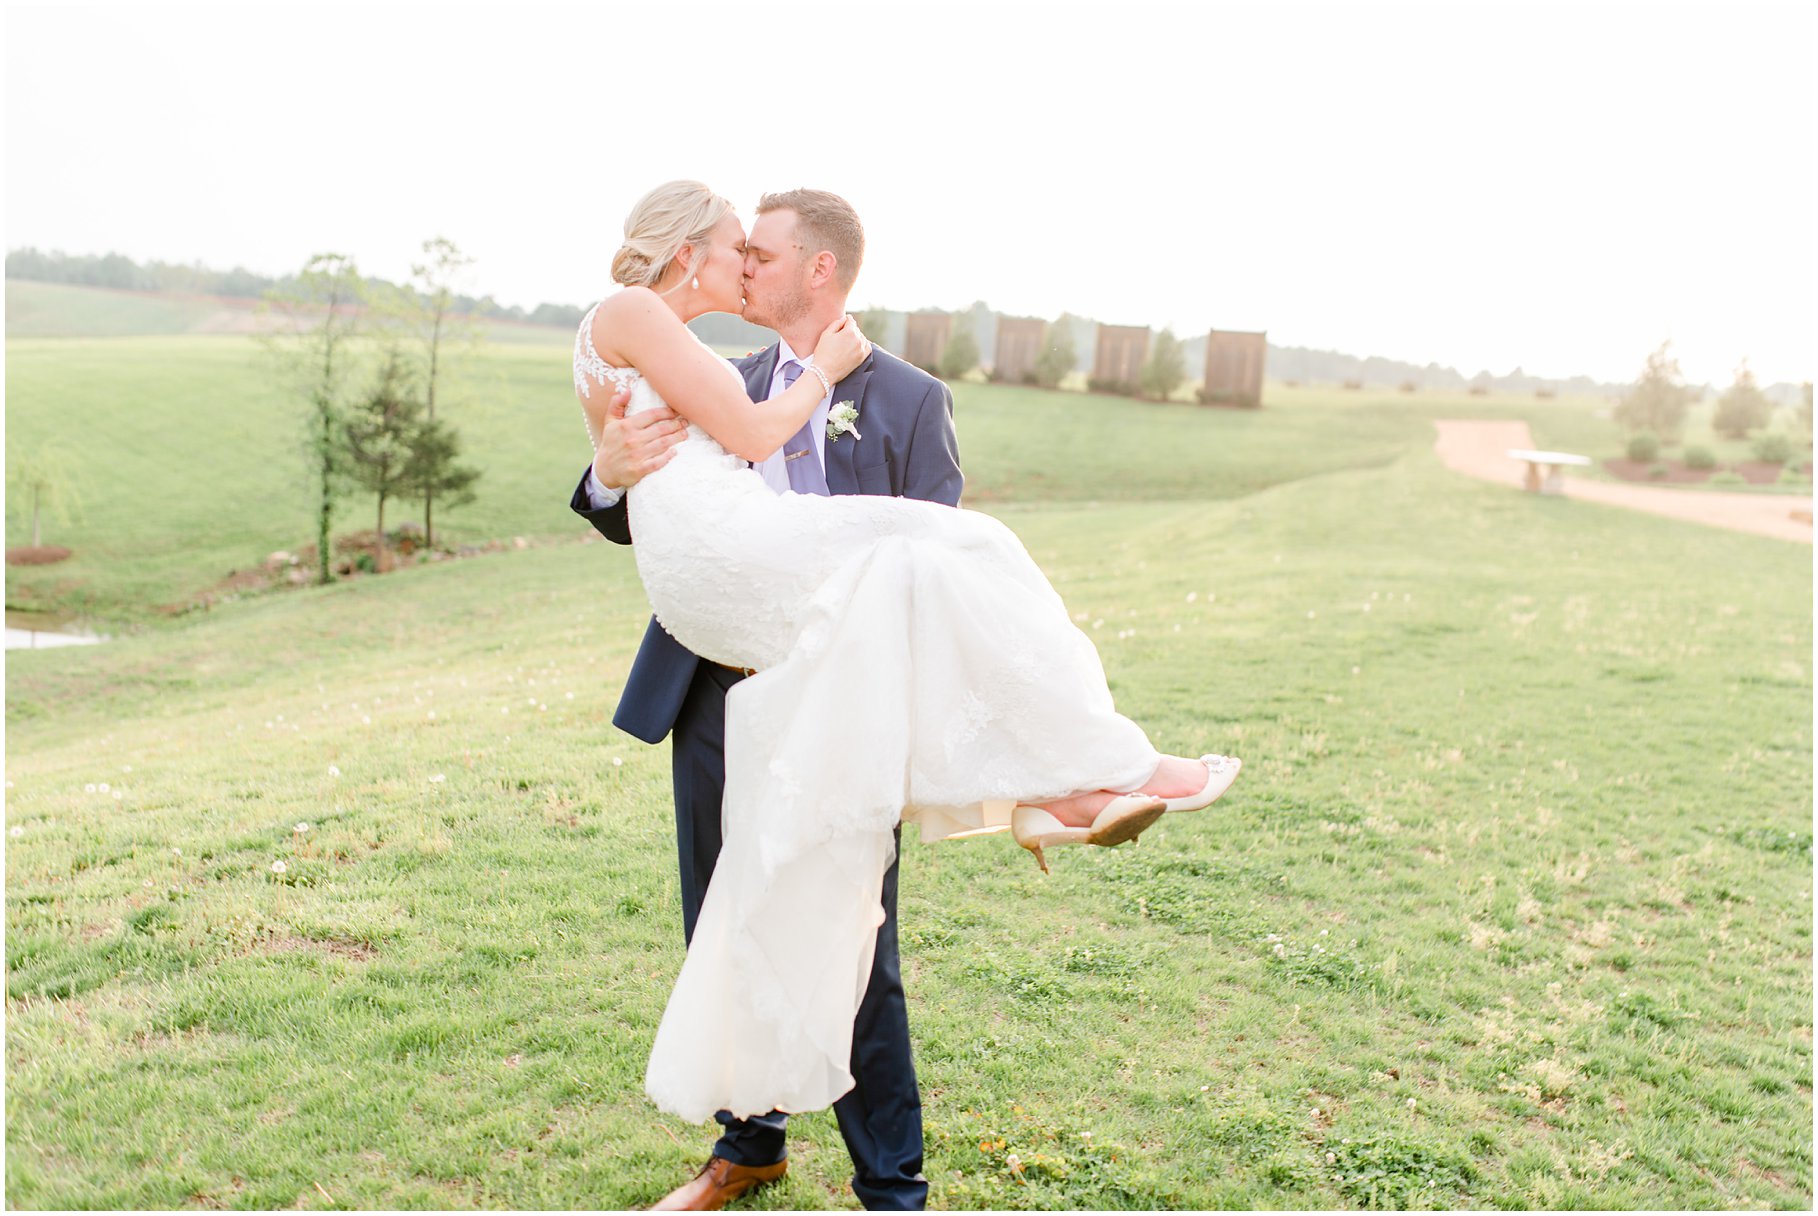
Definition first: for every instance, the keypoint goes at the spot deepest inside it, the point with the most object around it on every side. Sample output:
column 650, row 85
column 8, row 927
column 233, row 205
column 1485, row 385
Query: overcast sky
column 1559, row 187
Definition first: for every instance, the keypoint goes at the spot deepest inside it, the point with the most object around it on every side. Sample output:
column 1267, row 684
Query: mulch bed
column 1755, row 472
column 36, row 555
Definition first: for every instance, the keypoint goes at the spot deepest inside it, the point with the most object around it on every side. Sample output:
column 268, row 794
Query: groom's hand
column 633, row 448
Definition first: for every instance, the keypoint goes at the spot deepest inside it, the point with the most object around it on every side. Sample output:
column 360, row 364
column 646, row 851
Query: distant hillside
column 50, row 295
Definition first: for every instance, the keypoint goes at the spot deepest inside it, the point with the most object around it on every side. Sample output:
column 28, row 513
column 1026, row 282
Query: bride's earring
column 697, row 282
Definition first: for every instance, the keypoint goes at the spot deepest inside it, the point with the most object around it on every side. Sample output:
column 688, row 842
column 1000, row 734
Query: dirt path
column 1481, row 449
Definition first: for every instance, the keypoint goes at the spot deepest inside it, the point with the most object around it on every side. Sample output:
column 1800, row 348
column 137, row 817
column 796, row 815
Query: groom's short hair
column 825, row 221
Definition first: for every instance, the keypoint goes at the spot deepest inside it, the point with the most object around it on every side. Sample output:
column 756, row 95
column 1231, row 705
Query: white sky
column 1473, row 184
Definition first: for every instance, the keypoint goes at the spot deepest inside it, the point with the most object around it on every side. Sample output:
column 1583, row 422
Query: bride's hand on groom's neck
column 841, row 348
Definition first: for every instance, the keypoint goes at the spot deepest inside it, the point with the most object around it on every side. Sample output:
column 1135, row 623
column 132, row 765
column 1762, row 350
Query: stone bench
column 1546, row 470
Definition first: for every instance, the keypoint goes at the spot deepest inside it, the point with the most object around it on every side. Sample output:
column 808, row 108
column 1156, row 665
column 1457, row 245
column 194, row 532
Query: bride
column 912, row 664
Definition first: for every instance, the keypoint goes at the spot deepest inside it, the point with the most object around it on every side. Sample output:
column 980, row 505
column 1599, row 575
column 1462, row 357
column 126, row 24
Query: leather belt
column 744, row 671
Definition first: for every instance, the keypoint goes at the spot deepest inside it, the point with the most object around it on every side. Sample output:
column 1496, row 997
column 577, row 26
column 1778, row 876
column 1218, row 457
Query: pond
column 43, row 631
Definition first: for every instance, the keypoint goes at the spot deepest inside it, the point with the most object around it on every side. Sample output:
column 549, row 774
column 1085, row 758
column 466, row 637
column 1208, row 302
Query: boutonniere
column 840, row 421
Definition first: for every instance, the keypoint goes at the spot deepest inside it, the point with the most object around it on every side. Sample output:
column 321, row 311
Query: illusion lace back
column 913, row 665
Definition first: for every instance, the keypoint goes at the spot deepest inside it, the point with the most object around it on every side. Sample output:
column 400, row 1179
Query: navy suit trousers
column 881, row 1117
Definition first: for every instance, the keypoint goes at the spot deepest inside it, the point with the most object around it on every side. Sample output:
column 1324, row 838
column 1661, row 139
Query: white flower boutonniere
column 840, row 420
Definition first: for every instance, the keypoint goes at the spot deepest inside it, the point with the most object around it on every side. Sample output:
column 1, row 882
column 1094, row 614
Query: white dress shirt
column 773, row 470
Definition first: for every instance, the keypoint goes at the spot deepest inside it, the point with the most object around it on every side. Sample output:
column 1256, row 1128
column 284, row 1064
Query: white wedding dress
column 913, row 665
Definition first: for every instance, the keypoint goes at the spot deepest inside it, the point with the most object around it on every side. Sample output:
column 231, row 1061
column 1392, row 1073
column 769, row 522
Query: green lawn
column 191, row 466
column 1512, row 906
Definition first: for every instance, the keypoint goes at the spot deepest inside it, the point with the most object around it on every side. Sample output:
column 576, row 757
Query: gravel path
column 1481, row 449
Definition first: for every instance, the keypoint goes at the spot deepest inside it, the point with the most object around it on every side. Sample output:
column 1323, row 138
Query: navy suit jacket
column 908, row 451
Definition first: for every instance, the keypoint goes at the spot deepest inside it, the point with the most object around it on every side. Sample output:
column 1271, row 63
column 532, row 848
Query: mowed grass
column 190, row 462
column 1510, row 908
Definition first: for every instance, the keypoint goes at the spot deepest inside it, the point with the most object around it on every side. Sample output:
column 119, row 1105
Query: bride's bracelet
column 826, row 384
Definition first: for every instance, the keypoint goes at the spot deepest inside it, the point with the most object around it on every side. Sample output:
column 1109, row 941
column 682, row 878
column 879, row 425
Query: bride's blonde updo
column 672, row 215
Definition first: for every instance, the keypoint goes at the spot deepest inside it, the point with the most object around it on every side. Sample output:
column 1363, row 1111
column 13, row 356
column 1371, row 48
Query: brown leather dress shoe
column 719, row 1183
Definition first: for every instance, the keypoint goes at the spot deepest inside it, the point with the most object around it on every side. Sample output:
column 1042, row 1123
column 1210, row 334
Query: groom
column 801, row 259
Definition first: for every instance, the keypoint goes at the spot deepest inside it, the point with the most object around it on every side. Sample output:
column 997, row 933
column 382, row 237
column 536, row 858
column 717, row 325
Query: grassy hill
column 192, row 464
column 1511, row 907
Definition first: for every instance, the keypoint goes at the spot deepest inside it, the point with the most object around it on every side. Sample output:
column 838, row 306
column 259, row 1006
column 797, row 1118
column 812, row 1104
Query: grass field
column 1512, row 906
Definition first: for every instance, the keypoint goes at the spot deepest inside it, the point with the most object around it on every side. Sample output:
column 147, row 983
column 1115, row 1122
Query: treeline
column 120, row 272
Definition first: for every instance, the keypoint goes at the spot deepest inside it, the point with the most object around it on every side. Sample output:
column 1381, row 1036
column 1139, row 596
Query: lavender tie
column 805, row 473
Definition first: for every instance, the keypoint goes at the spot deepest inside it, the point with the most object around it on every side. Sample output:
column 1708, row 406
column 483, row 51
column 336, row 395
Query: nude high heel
column 1123, row 818
column 1221, row 771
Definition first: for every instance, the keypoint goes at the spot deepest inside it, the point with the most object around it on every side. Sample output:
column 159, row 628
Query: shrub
column 1729, row 477
column 1658, row 400
column 1774, row 446
column 1353, row 385
column 1742, row 408
column 1697, row 457
column 1657, row 471
column 1408, row 386
column 1792, row 475
column 1165, row 369
column 1645, row 446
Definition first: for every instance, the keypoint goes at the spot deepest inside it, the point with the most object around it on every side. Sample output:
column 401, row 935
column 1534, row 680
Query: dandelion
column 1331, row 1158
column 278, row 867
column 504, row 709
column 146, row 884
column 175, row 851
column 1278, row 950
column 334, row 770
column 1412, row 1103
column 366, row 719
column 1323, row 932
column 438, row 779
column 432, row 715
column 530, row 701
column 1312, row 615
column 16, row 831
column 1192, row 596
column 125, row 768
column 89, row 788
column 1099, row 623
column 118, row 796
column 300, row 828
column 617, row 762
column 570, row 696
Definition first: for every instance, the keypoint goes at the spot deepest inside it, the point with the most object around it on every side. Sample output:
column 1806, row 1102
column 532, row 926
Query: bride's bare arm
column 641, row 331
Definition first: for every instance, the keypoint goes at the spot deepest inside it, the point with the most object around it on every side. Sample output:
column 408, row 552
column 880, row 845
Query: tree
column 1805, row 406
column 1743, row 406
column 441, row 330
column 431, row 469
column 961, row 355
column 46, row 475
column 378, row 435
column 316, row 316
column 1058, row 356
column 1165, row 368
column 1658, row 400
